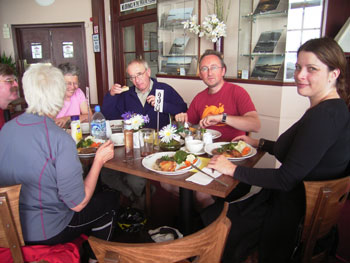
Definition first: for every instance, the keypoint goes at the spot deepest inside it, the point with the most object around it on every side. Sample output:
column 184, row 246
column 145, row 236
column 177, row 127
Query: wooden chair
column 11, row 234
column 10, row 226
column 206, row 245
column 324, row 202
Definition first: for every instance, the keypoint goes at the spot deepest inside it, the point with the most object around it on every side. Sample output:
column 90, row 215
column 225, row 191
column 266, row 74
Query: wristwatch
column 224, row 116
column 261, row 143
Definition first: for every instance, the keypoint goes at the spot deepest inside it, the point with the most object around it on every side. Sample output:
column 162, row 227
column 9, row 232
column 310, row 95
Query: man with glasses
column 8, row 89
column 140, row 98
column 223, row 106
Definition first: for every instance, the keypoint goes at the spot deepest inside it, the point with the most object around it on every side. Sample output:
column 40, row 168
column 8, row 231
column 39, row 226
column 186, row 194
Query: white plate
column 214, row 133
column 185, row 149
column 116, row 125
column 210, row 147
column 86, row 155
column 150, row 160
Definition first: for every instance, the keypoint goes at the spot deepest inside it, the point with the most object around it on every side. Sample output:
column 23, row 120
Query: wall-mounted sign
column 96, row 42
column 37, row 51
column 68, row 51
column 136, row 4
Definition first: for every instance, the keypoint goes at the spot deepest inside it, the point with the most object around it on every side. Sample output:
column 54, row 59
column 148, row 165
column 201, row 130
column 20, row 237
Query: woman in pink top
column 74, row 101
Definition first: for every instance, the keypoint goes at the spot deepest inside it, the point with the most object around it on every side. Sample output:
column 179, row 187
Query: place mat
column 202, row 179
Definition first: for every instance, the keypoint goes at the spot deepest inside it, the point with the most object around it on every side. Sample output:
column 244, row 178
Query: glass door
column 139, row 40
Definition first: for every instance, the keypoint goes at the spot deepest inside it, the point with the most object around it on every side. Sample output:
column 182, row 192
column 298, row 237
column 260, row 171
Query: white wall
column 61, row 11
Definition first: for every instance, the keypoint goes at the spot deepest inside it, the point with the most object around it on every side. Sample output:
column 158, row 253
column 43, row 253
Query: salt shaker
column 207, row 138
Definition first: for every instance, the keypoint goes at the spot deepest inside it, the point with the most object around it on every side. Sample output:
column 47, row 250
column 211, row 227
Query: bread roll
column 125, row 88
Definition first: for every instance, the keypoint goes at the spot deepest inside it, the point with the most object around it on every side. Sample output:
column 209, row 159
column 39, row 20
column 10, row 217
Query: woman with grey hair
column 74, row 100
column 56, row 204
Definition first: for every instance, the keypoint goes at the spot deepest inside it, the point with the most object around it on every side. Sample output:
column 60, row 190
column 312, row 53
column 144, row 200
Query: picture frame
column 267, row 41
column 268, row 67
column 266, row 6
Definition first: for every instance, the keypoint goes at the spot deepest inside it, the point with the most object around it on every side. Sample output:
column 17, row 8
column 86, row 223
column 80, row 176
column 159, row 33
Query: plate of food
column 87, row 147
column 170, row 163
column 234, row 151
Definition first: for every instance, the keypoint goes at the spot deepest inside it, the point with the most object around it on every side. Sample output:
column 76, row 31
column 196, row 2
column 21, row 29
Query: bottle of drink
column 76, row 131
column 128, row 140
column 98, row 124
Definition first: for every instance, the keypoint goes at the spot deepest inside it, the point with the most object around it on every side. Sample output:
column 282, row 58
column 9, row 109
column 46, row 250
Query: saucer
column 198, row 153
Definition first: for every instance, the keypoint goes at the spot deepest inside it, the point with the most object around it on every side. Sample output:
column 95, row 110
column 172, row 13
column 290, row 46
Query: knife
column 215, row 179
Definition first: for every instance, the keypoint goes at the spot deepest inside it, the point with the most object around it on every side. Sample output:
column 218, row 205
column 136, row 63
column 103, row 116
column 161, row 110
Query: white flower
column 167, row 133
column 136, row 121
column 211, row 27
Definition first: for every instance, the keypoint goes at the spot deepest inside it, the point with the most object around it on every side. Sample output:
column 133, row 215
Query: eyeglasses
column 75, row 84
column 10, row 81
column 212, row 68
column 138, row 76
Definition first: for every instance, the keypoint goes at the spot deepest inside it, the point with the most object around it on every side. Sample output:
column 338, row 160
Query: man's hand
column 210, row 120
column 116, row 89
column 151, row 99
column 181, row 117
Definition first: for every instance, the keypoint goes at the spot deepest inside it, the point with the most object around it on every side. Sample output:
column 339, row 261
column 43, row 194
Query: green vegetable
column 84, row 143
column 180, row 156
column 165, row 158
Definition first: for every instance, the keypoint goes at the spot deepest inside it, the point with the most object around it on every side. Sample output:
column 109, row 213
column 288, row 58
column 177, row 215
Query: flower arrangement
column 170, row 139
column 137, row 120
column 211, row 27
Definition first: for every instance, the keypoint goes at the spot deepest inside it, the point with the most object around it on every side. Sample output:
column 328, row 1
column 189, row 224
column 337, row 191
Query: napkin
column 202, row 179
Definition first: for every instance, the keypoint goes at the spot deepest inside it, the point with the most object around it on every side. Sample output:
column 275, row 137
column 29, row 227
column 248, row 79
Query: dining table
column 135, row 167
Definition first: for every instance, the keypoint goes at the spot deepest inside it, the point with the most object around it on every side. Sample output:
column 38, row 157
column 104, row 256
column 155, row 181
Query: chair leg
column 148, row 197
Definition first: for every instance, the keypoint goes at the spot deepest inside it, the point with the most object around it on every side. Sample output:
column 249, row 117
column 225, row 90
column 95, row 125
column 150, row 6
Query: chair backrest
column 10, row 225
column 324, row 202
column 206, row 245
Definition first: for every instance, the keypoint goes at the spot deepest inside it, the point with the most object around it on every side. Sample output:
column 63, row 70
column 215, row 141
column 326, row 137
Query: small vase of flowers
column 137, row 122
column 170, row 139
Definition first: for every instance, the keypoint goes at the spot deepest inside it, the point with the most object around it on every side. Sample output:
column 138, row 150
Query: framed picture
column 268, row 67
column 179, row 45
column 267, row 41
column 266, row 6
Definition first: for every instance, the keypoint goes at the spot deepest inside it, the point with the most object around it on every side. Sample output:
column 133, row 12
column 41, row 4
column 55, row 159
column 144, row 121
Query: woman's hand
column 61, row 122
column 105, row 152
column 247, row 139
column 222, row 164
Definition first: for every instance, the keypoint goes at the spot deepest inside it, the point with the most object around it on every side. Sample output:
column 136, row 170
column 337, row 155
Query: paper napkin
column 202, row 179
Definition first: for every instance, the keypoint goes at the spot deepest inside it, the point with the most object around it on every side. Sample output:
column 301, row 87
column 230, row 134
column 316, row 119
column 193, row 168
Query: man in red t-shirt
column 8, row 89
column 223, row 106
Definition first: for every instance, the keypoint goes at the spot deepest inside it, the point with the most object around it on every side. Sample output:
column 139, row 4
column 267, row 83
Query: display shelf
column 270, row 32
column 177, row 48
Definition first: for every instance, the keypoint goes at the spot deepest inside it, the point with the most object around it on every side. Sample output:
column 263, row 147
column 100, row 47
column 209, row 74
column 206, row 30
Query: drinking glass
column 146, row 141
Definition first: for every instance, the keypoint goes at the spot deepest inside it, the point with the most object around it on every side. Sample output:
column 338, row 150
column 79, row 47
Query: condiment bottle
column 128, row 140
column 77, row 134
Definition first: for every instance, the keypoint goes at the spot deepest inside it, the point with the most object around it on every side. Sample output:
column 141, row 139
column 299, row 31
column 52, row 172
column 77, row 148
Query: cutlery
column 215, row 179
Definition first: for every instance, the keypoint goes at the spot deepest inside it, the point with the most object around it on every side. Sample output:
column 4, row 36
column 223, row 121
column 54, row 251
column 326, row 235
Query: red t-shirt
column 232, row 99
column 2, row 118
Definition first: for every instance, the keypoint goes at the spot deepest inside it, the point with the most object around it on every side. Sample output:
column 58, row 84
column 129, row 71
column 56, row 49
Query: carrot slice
column 246, row 150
